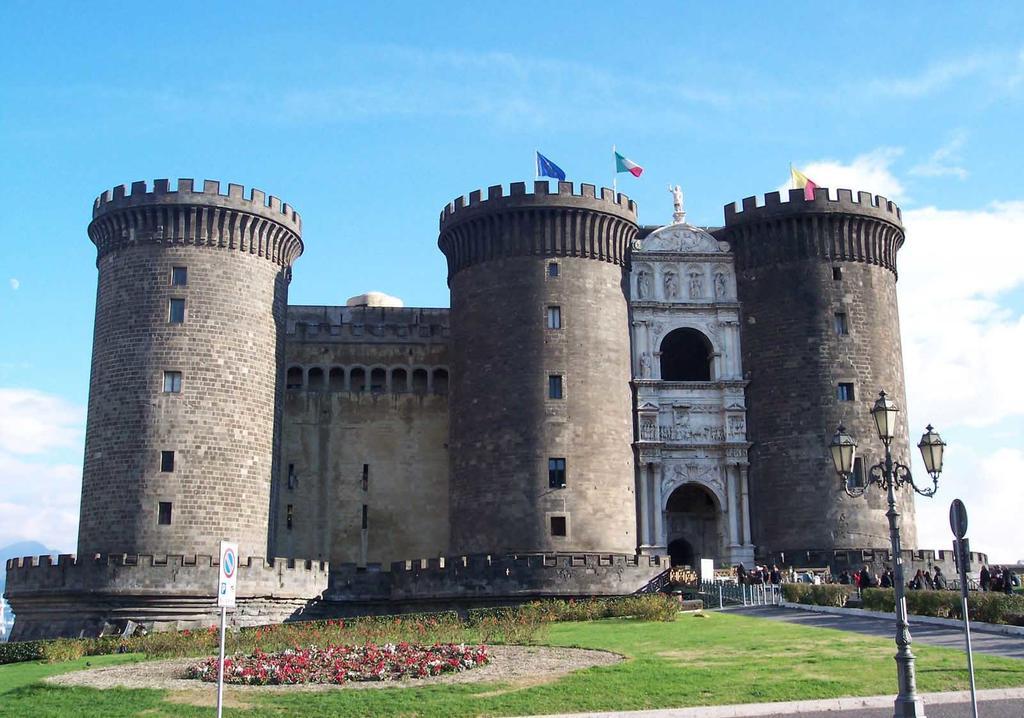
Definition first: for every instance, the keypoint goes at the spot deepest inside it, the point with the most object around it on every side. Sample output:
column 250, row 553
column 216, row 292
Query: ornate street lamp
column 890, row 476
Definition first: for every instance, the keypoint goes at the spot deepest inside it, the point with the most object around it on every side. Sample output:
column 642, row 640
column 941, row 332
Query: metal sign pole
column 220, row 669
column 962, row 555
column 227, row 586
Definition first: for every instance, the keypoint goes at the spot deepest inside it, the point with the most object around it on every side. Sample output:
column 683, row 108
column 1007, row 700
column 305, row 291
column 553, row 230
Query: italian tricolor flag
column 802, row 181
column 624, row 165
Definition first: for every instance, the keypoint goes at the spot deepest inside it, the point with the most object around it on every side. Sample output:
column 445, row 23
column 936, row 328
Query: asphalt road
column 994, row 643
column 986, row 709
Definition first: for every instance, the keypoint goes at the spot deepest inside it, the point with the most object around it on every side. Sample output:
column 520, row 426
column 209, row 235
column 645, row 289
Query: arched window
column 685, row 356
column 357, row 380
column 419, row 381
column 315, row 379
column 440, row 381
column 293, row 380
column 399, row 381
column 378, row 380
column 336, row 379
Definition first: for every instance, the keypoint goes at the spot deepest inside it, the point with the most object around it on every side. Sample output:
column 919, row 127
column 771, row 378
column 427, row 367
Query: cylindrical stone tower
column 184, row 396
column 821, row 337
column 540, row 399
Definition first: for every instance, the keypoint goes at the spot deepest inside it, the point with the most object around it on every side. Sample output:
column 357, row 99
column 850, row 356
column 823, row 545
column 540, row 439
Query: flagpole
column 615, row 177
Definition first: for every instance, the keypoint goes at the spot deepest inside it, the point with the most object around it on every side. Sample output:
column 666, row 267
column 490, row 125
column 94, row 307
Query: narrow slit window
column 555, row 386
column 837, row 273
column 366, row 517
column 556, row 473
column 176, row 311
column 164, row 513
column 366, row 477
column 553, row 269
column 289, row 516
column 554, row 317
column 166, row 461
column 842, row 325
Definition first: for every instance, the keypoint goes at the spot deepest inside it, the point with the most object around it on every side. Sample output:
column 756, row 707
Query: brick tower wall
column 794, row 357
column 504, row 428
column 223, row 424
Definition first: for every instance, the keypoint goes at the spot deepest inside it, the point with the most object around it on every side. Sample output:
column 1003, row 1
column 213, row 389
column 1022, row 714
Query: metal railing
column 725, row 593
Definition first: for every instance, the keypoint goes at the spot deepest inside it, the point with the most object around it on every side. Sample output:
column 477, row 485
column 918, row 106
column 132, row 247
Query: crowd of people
column 995, row 578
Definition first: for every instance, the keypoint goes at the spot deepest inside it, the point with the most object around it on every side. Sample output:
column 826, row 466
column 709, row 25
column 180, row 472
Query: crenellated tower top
column 866, row 229
column 256, row 223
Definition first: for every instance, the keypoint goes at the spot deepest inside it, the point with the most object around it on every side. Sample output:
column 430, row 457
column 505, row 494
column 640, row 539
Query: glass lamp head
column 932, row 447
column 884, row 413
column 843, row 449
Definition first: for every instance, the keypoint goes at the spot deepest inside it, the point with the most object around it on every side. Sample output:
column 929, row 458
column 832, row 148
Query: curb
column 752, row 710
column 976, row 626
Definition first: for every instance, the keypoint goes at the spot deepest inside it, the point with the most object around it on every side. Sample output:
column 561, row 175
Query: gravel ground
column 517, row 665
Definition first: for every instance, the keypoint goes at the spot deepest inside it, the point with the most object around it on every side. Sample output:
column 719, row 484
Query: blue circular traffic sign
column 229, row 563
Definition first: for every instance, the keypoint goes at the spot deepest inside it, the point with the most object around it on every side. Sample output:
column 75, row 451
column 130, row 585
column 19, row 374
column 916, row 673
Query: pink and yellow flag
column 802, row 181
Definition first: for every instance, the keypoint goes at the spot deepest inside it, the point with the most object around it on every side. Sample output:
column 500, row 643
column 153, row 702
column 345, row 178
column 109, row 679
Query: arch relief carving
column 702, row 473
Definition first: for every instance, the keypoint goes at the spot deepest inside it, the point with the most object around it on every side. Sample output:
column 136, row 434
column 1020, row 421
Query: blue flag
column 547, row 168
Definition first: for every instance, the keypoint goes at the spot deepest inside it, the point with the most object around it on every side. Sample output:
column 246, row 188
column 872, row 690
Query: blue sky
column 368, row 118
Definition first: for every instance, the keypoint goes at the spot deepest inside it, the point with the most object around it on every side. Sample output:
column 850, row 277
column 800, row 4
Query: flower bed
column 341, row 664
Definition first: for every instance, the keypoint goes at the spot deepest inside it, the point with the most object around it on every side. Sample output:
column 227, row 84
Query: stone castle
column 602, row 400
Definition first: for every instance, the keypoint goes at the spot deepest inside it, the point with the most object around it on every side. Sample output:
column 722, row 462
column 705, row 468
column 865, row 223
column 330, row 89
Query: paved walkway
column 925, row 634
column 997, row 703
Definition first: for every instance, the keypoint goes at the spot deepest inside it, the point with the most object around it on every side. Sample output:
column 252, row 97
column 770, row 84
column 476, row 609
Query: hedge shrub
column 830, row 594
column 509, row 624
column 989, row 607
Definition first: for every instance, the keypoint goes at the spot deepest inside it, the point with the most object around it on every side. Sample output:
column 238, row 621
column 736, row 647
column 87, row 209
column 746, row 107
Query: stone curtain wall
column 793, row 356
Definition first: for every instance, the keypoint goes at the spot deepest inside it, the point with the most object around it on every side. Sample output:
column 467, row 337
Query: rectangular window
column 289, row 517
column 164, row 513
column 366, row 516
column 558, row 527
column 555, row 386
column 366, row 476
column 176, row 311
column 179, row 276
column 552, row 269
column 554, row 317
column 556, row 473
column 172, row 382
column 844, row 392
column 858, row 472
column 293, row 480
column 167, row 461
column 842, row 327
column 837, row 273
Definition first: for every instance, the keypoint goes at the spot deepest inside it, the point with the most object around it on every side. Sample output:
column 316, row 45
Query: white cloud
column 15, row 283
column 993, row 495
column 40, row 436
column 944, row 161
column 935, row 77
column 962, row 343
column 33, row 422
column 869, row 172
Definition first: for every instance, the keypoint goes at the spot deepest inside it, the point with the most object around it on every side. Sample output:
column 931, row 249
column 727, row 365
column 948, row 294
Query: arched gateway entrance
column 694, row 526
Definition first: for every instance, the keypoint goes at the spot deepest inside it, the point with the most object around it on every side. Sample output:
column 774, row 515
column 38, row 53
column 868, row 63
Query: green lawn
column 719, row 659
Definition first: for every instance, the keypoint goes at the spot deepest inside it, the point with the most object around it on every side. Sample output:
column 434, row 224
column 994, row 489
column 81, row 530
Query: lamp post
column 890, row 476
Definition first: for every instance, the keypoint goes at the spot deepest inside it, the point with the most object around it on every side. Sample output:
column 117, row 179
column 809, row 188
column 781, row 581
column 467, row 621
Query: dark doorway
column 681, row 553
column 685, row 356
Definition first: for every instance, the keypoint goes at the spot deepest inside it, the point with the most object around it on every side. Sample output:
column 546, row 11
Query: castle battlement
column 257, row 201
column 517, row 197
column 256, row 224
column 498, row 577
column 865, row 203
column 144, row 574
column 366, row 324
